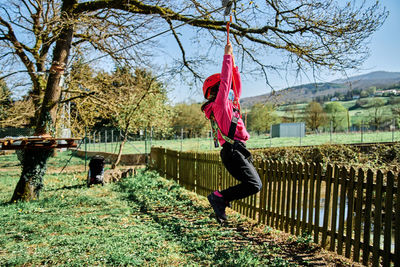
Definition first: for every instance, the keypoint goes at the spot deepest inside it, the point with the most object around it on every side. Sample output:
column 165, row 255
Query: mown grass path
column 142, row 221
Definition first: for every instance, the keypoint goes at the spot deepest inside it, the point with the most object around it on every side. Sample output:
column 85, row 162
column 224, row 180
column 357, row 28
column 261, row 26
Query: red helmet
column 210, row 82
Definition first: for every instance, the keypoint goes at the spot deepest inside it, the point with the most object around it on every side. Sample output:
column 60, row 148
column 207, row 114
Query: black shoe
column 218, row 204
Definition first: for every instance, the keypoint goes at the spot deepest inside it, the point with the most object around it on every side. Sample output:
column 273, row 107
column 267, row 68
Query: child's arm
column 238, row 81
column 226, row 76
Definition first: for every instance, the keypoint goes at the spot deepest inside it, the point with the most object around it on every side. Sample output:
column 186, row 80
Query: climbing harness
column 232, row 128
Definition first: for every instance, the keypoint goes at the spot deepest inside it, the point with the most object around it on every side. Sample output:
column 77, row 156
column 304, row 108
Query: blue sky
column 385, row 56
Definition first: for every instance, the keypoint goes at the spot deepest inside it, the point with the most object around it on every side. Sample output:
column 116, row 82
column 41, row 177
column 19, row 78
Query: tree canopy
column 336, row 114
column 314, row 115
column 261, row 117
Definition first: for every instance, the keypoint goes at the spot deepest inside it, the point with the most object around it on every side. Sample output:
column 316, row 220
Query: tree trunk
column 121, row 146
column 33, row 169
column 34, row 161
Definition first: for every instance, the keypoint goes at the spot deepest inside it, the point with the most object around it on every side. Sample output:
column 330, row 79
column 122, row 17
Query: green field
column 141, row 221
column 357, row 115
column 256, row 141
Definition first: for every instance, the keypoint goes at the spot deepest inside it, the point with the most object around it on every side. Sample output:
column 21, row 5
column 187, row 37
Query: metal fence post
column 151, row 137
column 393, row 129
column 362, row 124
column 181, row 138
column 145, row 145
column 85, row 149
column 99, row 140
column 105, row 140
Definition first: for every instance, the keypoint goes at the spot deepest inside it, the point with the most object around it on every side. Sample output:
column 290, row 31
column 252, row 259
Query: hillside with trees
column 344, row 89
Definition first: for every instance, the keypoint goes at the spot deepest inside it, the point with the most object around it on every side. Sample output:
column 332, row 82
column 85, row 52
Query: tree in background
column 291, row 113
column 189, row 118
column 337, row 115
column 5, row 101
column 314, row 116
column 38, row 36
column 14, row 113
column 376, row 112
column 129, row 100
column 396, row 114
column 261, row 117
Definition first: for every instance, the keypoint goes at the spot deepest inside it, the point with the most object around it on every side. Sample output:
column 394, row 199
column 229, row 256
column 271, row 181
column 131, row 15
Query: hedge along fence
column 340, row 208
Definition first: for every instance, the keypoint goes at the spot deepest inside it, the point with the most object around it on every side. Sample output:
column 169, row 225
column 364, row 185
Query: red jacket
column 222, row 107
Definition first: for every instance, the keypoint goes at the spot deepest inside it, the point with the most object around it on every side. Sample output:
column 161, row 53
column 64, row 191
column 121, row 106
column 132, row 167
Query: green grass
column 145, row 220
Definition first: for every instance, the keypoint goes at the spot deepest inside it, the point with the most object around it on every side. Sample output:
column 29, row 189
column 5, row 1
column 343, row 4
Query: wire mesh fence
column 184, row 140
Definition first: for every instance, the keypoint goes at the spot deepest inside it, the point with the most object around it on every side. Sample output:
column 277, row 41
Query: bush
column 375, row 156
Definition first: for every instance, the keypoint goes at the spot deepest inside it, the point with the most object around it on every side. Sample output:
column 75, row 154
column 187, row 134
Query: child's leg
column 242, row 170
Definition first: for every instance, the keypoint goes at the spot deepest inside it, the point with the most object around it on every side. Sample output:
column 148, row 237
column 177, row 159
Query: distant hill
column 307, row 92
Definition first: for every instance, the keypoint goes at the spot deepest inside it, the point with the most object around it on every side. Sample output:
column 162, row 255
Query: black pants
column 241, row 169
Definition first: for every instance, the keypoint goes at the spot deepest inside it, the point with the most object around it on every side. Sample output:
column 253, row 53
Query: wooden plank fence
column 347, row 211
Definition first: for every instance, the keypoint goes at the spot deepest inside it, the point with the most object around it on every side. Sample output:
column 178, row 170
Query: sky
column 385, row 56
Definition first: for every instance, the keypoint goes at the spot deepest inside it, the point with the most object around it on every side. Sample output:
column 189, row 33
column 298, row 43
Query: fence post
column 145, row 145
column 362, row 124
column 93, row 147
column 393, row 129
column 85, row 149
column 181, row 138
column 105, row 140
column 300, row 133
column 151, row 137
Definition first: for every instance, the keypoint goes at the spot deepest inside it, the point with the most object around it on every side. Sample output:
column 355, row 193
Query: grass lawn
column 141, row 221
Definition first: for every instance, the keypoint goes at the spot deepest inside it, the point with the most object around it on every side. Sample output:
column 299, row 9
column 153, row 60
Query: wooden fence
column 341, row 208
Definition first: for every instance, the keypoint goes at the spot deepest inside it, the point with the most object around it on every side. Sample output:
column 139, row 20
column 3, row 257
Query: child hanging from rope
column 229, row 130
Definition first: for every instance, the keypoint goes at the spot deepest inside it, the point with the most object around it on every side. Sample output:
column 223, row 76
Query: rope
column 236, row 103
